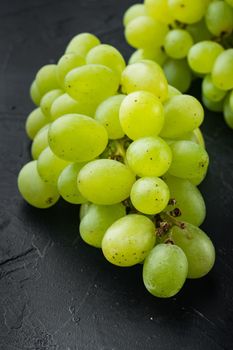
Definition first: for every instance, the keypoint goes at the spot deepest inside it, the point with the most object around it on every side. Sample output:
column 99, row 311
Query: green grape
column 97, row 220
column 187, row 11
column 210, row 91
column 159, row 10
column 198, row 179
column 84, row 207
column 92, row 83
column 35, row 93
column 46, row 79
column 149, row 156
column 141, row 114
column 145, row 32
column 229, row 2
column 132, row 12
column 172, row 91
column 177, row 43
column 108, row 56
column 178, row 74
column 47, row 101
column 188, row 159
column 198, row 137
column 165, row 270
column 201, row 56
column 40, row 142
column 222, row 72
column 33, row 189
column 67, row 184
column 199, row 31
column 150, row 195
column 156, row 54
column 228, row 111
column 197, row 247
column 183, row 113
column 145, row 75
column 35, row 121
column 219, row 18
column 82, row 44
column 49, row 166
column 66, row 63
column 105, row 181
column 128, row 241
column 231, row 99
column 188, row 199
column 212, row 105
column 77, row 138
column 107, row 114
column 65, row 104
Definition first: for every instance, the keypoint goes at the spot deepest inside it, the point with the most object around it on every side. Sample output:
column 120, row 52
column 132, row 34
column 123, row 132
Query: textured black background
column 55, row 291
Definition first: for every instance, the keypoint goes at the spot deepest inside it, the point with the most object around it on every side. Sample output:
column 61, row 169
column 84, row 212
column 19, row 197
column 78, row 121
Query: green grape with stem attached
column 67, row 184
column 210, row 91
column 165, row 270
column 35, row 121
column 46, row 79
column 35, row 93
column 40, row 142
column 150, row 195
column 128, row 241
column 34, row 190
column 149, row 156
column 141, row 114
column 107, row 114
column 133, row 12
column 66, row 63
column 82, row 43
column 105, row 181
column 177, row 43
column 97, row 220
column 47, row 101
column 222, row 72
column 178, row 74
column 77, row 138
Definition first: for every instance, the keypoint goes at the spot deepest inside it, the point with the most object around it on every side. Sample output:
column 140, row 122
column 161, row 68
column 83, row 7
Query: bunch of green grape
column 126, row 146
column 189, row 39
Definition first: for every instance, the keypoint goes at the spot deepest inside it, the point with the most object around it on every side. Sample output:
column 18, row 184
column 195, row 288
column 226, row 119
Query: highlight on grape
column 189, row 39
column 124, row 146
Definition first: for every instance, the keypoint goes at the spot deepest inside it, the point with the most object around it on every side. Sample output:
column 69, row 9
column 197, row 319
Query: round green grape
column 133, row 12
column 47, row 101
column 82, row 43
column 66, row 63
column 177, row 43
column 178, row 74
column 40, row 142
column 222, row 72
column 35, row 121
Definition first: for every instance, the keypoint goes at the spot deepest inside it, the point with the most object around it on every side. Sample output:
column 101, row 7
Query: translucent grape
column 97, row 220
column 49, row 166
column 219, row 18
column 187, row 11
column 188, row 159
column 222, row 72
column 132, row 12
column 67, row 105
column 197, row 247
column 40, row 142
column 66, row 63
column 33, row 189
column 77, row 138
column 172, row 91
column 105, row 181
column 228, row 112
column 178, row 74
column 107, row 114
column 188, row 199
column 165, row 270
column 92, row 83
column 46, row 79
column 177, row 43
column 150, row 195
column 35, row 93
column 108, row 56
column 35, row 121
column 199, row 31
column 82, row 43
column 47, row 101
column 159, row 10
column 154, row 54
column 201, row 56
column 183, row 113
column 212, row 105
column 129, row 240
column 146, row 75
column 145, row 32
column 210, row 91
column 141, row 114
column 67, row 184
column 149, row 156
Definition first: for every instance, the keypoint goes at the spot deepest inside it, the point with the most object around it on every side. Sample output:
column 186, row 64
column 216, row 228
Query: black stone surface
column 55, row 291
